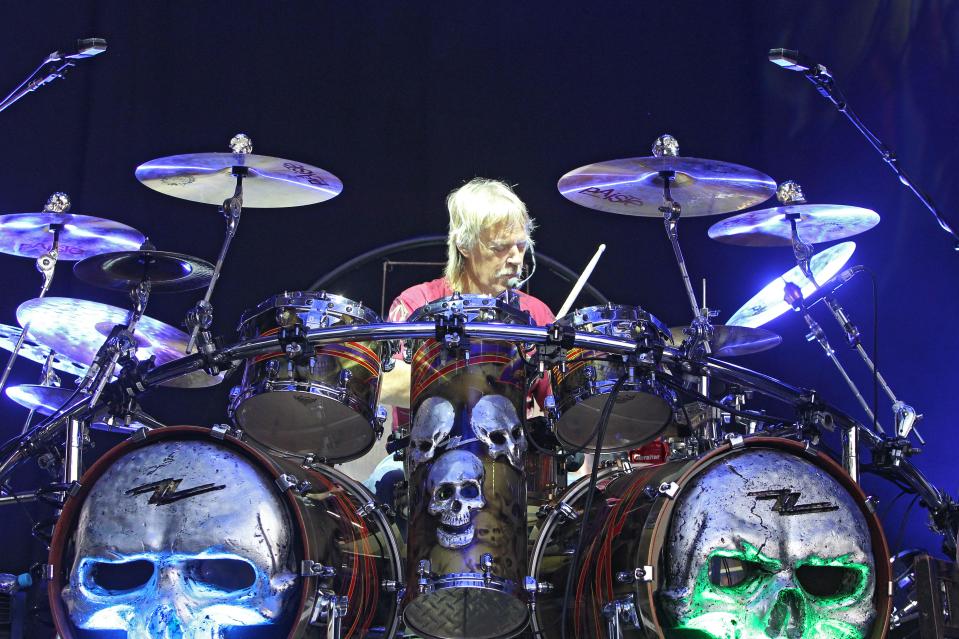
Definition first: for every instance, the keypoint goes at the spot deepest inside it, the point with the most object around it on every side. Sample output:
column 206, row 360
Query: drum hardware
column 621, row 615
column 329, row 611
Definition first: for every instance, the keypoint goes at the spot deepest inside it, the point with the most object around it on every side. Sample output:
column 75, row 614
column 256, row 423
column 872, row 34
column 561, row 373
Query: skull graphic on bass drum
column 496, row 424
column 766, row 544
column 455, row 485
column 179, row 540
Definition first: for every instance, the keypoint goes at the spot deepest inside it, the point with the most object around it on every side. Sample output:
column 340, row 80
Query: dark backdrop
column 404, row 101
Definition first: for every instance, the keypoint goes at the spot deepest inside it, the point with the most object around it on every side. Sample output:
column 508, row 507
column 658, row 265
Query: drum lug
column 566, row 511
column 48, row 571
column 424, row 582
column 272, row 369
column 486, row 563
column 640, row 574
column 289, row 482
column 344, row 378
column 329, row 611
column 220, row 431
column 669, row 489
column 140, row 434
column 389, row 585
column 534, row 587
column 370, row 507
column 618, row 613
column 735, row 441
column 310, row 568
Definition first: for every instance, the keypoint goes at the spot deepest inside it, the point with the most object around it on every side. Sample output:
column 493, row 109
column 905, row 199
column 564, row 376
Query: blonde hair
column 478, row 204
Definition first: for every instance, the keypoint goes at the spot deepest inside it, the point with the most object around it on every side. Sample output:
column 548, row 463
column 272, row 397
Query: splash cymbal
column 34, row 352
column 733, row 341
column 46, row 400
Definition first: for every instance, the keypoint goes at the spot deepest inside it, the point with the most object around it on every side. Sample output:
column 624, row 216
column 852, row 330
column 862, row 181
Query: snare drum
column 189, row 532
column 764, row 537
column 320, row 403
column 643, row 406
column 467, row 548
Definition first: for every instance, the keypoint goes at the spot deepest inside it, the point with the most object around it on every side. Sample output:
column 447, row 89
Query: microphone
column 84, row 48
column 515, row 282
column 795, row 61
column 837, row 282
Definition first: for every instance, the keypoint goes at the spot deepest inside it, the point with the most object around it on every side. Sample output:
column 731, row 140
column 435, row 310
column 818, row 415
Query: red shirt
column 422, row 294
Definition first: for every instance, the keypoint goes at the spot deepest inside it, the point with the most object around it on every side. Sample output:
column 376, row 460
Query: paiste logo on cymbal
column 611, row 195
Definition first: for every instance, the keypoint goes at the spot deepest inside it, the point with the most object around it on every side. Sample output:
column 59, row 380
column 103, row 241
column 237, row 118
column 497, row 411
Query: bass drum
column 187, row 532
column 758, row 538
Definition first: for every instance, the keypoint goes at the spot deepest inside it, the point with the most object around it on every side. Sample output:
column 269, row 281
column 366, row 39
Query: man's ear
column 462, row 250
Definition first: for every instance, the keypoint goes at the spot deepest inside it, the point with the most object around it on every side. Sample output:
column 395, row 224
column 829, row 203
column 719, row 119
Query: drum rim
column 368, row 316
column 66, row 522
column 661, row 510
column 469, row 301
column 568, row 319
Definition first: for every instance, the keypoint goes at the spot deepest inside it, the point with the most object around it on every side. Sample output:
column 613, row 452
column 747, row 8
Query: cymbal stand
column 905, row 415
column 788, row 193
column 793, row 295
column 200, row 317
column 46, row 263
column 48, row 377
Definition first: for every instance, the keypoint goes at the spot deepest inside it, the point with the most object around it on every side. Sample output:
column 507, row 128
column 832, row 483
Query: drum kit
column 702, row 514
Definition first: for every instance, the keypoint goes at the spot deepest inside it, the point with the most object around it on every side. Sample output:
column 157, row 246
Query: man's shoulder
column 421, row 294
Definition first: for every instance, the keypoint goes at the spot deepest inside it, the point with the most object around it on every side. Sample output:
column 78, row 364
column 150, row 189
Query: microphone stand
column 46, row 263
column 823, row 81
column 200, row 317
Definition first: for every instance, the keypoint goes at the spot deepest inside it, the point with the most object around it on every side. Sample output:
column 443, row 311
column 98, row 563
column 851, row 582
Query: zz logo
column 165, row 491
column 787, row 502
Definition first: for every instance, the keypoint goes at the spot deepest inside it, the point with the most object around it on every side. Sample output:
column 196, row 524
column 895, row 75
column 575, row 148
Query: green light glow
column 731, row 612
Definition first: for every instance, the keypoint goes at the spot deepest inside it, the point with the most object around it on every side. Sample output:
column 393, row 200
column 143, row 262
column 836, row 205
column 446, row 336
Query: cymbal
column 47, row 400
column 816, row 223
column 77, row 328
column 270, row 183
column 34, row 352
column 768, row 304
column 167, row 272
column 733, row 341
column 28, row 235
column 633, row 186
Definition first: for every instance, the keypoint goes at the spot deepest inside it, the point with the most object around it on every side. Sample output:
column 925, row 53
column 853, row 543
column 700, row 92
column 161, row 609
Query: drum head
column 301, row 422
column 471, row 612
column 636, row 418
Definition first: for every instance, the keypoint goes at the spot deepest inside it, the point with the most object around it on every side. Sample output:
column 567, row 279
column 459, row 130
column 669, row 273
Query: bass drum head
column 767, row 539
column 181, row 533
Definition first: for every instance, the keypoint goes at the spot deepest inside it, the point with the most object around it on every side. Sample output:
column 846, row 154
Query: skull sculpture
column 766, row 544
column 203, row 533
column 497, row 425
column 431, row 429
column 455, row 484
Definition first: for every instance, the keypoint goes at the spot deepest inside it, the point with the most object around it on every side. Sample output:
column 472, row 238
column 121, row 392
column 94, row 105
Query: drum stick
column 573, row 294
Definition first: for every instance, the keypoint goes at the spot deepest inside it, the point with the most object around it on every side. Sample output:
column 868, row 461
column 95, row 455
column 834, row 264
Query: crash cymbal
column 36, row 353
column 167, row 272
column 633, row 186
column 81, row 236
column 769, row 304
column 733, row 341
column 47, row 400
column 77, row 328
column 269, row 182
column 815, row 223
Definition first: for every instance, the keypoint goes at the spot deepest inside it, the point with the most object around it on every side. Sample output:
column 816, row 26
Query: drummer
column 489, row 234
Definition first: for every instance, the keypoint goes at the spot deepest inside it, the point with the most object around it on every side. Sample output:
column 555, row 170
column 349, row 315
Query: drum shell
column 314, row 534
column 274, row 397
column 641, row 540
column 643, row 407
column 463, row 376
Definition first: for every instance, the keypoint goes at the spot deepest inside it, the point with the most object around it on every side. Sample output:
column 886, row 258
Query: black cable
column 594, row 473
column 902, row 525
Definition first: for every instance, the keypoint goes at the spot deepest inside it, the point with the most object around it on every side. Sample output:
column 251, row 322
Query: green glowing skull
column 765, row 544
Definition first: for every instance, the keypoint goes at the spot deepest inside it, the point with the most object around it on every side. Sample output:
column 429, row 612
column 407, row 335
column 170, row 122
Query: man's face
column 496, row 257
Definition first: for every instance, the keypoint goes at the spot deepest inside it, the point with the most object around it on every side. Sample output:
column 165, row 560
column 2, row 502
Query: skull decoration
column 177, row 540
column 431, row 429
column 455, row 484
column 766, row 544
column 497, row 425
